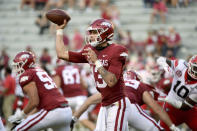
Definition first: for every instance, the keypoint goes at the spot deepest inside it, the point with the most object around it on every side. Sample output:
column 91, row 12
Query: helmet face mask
column 156, row 73
column 18, row 67
column 98, row 32
column 93, row 37
column 23, row 61
column 155, row 76
column 192, row 71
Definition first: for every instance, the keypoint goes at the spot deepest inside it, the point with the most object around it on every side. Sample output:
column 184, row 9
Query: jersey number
column 68, row 76
column 182, row 91
column 102, row 84
column 43, row 76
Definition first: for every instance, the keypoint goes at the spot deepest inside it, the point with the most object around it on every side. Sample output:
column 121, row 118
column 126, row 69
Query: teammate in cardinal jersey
column 107, row 61
column 46, row 107
column 68, row 78
column 182, row 98
column 141, row 93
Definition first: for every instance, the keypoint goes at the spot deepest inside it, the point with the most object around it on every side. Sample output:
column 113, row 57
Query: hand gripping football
column 57, row 16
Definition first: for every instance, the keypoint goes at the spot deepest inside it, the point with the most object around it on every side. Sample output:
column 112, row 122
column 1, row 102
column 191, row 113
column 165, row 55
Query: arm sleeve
column 77, row 57
column 116, row 67
column 144, row 87
column 117, row 62
column 174, row 63
column 25, row 79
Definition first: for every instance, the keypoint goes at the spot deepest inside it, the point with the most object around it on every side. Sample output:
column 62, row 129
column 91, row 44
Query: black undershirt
column 101, row 48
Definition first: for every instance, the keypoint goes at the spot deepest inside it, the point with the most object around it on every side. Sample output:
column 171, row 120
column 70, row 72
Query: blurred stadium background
column 18, row 29
column 172, row 32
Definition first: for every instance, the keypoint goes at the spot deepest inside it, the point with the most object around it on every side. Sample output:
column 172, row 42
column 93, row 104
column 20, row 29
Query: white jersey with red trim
column 181, row 86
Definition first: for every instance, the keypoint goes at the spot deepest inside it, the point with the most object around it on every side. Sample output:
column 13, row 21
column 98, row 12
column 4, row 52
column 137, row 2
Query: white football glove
column 174, row 128
column 172, row 101
column 161, row 61
column 19, row 115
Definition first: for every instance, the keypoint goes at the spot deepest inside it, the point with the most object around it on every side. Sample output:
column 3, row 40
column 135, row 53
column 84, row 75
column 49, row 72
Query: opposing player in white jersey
column 182, row 98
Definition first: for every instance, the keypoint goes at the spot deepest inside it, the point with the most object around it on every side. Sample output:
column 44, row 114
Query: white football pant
column 58, row 119
column 114, row 116
column 139, row 120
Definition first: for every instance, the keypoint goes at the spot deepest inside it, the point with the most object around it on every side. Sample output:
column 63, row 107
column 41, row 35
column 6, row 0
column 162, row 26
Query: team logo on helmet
column 23, row 61
column 106, row 24
column 100, row 31
column 24, row 56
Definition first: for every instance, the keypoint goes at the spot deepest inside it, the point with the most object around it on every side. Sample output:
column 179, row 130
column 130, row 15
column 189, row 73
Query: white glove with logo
column 17, row 116
column 172, row 101
column 174, row 128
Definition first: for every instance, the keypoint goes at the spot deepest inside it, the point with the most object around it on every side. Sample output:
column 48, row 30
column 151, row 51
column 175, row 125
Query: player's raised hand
column 161, row 60
column 174, row 128
column 91, row 55
column 172, row 101
column 62, row 26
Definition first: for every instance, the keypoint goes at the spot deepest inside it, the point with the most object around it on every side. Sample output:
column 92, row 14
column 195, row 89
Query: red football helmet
column 23, row 61
column 193, row 67
column 132, row 75
column 100, row 31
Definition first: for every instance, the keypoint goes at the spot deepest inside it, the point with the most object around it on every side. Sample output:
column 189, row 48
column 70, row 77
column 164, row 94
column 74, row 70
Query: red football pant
column 179, row 116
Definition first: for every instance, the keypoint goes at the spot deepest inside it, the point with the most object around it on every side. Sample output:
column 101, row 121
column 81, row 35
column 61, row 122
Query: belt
column 63, row 105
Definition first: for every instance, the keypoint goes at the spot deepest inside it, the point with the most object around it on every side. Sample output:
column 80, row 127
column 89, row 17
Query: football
column 57, row 16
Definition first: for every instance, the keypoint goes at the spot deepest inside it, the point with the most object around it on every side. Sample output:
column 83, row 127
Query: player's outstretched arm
column 94, row 99
column 147, row 98
column 62, row 52
column 163, row 61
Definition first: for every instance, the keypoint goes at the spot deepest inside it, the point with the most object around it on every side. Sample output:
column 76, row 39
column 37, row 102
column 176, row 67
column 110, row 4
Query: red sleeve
column 117, row 62
column 77, row 57
column 116, row 67
column 25, row 79
column 144, row 87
